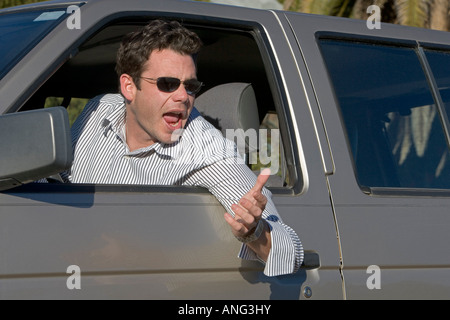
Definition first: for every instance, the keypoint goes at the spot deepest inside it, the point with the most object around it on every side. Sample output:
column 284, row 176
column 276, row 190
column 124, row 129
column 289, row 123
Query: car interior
column 228, row 56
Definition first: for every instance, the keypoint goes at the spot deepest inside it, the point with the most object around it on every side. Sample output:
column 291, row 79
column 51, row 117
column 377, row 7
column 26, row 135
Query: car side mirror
column 33, row 145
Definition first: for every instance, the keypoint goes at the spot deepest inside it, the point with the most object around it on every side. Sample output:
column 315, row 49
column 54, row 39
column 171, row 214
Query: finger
column 243, row 216
column 261, row 200
column 256, row 198
column 236, row 227
column 253, row 209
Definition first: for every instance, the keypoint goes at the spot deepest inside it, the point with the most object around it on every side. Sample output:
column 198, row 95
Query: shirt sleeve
column 228, row 181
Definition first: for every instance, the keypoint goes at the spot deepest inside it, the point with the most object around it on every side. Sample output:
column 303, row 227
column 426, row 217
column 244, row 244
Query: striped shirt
column 201, row 156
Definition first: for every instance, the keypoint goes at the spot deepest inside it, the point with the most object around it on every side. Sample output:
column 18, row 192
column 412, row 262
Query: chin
column 172, row 137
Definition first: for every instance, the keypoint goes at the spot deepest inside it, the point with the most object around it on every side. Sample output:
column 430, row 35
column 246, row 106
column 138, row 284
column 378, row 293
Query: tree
column 432, row 14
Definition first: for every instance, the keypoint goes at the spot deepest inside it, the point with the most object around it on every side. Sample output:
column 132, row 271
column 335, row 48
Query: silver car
column 353, row 119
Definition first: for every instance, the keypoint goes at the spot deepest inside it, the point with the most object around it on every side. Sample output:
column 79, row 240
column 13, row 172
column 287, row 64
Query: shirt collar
column 114, row 120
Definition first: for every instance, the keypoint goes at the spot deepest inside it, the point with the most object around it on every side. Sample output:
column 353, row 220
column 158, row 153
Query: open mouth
column 173, row 120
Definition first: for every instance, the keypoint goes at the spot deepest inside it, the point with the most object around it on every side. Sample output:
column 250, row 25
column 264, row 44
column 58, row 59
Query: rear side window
column 393, row 125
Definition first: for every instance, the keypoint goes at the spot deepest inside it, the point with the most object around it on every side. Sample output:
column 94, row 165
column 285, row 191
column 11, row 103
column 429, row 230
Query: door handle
column 311, row 260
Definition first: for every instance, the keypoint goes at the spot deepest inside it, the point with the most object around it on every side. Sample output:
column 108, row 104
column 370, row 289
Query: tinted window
column 393, row 126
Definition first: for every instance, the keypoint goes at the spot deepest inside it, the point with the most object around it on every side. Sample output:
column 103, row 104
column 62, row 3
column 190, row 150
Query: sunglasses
column 168, row 84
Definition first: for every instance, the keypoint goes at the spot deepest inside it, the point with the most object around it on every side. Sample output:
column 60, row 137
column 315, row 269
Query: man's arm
column 247, row 216
column 235, row 184
column 224, row 173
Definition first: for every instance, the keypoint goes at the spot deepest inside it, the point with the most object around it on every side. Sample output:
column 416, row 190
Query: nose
column 181, row 94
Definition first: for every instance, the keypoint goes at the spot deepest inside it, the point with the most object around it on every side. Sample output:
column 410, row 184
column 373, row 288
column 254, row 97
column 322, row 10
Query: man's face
column 153, row 115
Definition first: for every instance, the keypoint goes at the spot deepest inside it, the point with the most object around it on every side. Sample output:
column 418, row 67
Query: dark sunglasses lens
column 192, row 86
column 166, row 84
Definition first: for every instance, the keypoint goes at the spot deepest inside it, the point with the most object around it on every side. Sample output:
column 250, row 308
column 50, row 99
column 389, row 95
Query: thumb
column 262, row 180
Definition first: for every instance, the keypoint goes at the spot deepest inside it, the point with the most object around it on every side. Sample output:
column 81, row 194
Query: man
column 152, row 134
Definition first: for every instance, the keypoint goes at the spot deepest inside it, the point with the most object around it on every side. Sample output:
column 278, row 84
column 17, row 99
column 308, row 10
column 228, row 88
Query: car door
column 386, row 124
column 163, row 242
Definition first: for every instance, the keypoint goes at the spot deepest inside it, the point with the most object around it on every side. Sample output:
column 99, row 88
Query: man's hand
column 248, row 212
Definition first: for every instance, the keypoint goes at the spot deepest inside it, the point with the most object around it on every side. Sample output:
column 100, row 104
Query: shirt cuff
column 286, row 254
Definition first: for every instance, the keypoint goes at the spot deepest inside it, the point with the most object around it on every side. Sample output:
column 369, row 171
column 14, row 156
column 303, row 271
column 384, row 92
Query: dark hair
column 137, row 46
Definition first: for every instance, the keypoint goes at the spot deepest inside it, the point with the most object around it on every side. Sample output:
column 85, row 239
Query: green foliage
column 416, row 13
column 412, row 12
column 74, row 109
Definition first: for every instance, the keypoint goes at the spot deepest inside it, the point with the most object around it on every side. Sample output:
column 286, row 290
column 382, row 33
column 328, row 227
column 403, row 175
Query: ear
column 127, row 87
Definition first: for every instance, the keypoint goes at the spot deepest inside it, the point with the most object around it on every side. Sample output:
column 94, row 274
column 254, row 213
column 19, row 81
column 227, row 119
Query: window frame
column 268, row 56
column 422, row 47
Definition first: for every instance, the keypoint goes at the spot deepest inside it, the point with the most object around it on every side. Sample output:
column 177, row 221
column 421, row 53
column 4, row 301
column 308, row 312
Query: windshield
column 21, row 31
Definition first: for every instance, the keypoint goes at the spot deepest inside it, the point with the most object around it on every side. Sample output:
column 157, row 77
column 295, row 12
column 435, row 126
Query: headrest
column 231, row 106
